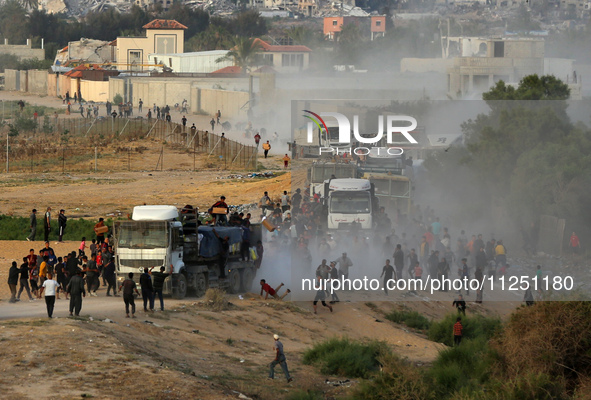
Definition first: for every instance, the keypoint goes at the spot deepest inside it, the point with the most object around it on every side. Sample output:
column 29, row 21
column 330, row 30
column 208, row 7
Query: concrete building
column 308, row 7
column 86, row 51
column 200, row 62
column 22, row 51
column 163, row 36
column 285, row 58
column 371, row 26
column 497, row 59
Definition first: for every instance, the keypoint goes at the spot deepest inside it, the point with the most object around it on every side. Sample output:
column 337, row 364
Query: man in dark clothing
column 481, row 261
column 159, row 278
column 109, row 275
column 47, row 223
column 479, row 277
column 478, row 243
column 443, row 273
column 398, row 261
column 128, row 286
column 33, row 225
column 296, row 199
column 72, row 264
column 24, row 279
column 62, row 220
column 91, row 274
column 224, row 250
column 433, row 263
column 387, row 273
column 460, row 304
column 413, row 259
column 147, row 290
column 13, row 275
column 245, row 245
column 76, row 290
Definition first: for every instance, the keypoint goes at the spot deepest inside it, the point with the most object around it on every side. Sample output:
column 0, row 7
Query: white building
column 203, row 62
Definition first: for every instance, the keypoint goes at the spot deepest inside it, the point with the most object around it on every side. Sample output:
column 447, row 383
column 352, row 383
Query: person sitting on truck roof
column 265, row 287
column 215, row 210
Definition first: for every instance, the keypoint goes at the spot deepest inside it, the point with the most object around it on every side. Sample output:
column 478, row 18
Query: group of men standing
column 61, row 222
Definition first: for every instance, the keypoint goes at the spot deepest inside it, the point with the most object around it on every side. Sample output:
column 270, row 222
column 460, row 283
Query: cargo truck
column 158, row 236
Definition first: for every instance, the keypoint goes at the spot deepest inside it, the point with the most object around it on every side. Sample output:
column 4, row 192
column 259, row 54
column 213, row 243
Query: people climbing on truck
column 224, row 252
column 265, row 287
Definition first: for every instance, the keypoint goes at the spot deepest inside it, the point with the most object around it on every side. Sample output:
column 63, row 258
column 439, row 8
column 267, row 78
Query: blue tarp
column 210, row 245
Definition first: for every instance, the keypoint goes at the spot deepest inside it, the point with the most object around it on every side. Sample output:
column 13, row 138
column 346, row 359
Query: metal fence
column 120, row 144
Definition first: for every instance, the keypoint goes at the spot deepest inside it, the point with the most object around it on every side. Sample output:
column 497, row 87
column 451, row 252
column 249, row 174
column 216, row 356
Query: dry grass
column 215, row 300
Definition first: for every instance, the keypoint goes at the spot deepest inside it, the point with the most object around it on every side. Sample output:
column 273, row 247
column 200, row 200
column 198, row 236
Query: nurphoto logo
column 334, row 142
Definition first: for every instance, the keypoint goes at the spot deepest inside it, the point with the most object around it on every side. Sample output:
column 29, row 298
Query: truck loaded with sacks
column 194, row 256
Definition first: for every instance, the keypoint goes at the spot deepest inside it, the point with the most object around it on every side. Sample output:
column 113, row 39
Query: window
column 378, row 23
column 292, row 60
column 334, row 22
column 134, row 59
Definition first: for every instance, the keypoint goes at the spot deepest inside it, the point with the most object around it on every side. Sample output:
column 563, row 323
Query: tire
column 234, row 281
column 247, row 278
column 179, row 291
column 201, row 285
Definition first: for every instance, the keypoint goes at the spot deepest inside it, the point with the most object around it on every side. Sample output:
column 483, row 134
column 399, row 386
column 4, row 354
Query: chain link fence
column 118, row 144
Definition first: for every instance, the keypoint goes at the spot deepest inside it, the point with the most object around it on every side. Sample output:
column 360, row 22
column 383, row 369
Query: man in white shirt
column 50, row 286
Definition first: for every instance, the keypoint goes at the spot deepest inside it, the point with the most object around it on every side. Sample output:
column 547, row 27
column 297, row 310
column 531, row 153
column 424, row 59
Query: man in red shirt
column 574, row 243
column 458, row 331
column 265, row 287
column 220, row 218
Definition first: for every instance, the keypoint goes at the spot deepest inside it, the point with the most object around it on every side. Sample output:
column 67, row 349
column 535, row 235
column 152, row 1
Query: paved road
column 100, row 307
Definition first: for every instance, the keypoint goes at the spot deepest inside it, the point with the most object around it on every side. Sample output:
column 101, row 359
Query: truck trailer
column 157, row 236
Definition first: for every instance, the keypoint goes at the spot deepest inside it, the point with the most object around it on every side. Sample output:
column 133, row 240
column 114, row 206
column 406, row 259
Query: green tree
column 244, row 53
column 14, row 24
column 249, row 23
column 349, row 44
column 525, row 155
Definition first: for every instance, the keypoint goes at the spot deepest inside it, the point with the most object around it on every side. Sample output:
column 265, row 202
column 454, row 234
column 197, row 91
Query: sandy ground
column 188, row 351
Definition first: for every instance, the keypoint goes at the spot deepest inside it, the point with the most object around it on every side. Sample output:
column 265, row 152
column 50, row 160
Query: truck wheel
column 247, row 278
column 179, row 291
column 201, row 285
column 234, row 281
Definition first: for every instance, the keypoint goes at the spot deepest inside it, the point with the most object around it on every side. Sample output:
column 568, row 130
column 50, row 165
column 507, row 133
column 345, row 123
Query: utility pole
column 7, row 164
column 95, row 158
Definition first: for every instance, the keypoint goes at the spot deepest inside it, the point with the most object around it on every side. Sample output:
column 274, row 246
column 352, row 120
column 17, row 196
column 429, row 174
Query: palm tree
column 29, row 4
column 244, row 53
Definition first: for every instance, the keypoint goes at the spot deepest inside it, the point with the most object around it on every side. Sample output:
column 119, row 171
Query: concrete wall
column 169, row 91
column 420, row 65
column 228, row 102
column 38, row 81
column 97, row 91
column 52, row 85
column 23, row 52
column 10, row 76
column 32, row 81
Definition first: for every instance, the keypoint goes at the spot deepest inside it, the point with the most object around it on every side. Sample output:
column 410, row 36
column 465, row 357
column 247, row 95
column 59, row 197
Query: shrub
column 550, row 339
column 118, row 99
column 397, row 380
column 215, row 299
column 344, row 357
column 475, row 327
column 462, row 368
column 412, row 319
column 305, row 395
